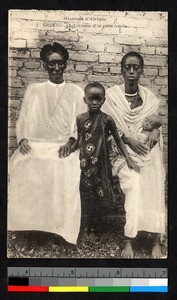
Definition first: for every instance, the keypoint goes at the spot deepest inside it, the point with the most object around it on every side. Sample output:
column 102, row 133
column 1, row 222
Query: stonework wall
column 96, row 41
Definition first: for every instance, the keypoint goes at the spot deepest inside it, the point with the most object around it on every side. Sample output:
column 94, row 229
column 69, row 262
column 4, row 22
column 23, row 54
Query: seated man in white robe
column 44, row 186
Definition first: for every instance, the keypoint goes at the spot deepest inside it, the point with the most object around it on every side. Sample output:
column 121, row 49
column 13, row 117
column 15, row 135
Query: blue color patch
column 157, row 289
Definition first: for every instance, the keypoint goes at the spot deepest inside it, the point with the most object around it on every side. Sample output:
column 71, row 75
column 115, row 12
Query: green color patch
column 111, row 289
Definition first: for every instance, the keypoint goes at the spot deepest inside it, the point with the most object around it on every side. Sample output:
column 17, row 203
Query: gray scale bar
column 103, row 281
column 121, row 281
column 40, row 272
column 98, row 272
column 110, row 272
column 49, row 281
column 86, row 282
column 156, row 273
column 139, row 282
column 68, row 282
column 52, row 272
column 64, row 272
column 88, row 272
column 132, row 272
column 54, row 281
column 18, row 272
column 35, row 281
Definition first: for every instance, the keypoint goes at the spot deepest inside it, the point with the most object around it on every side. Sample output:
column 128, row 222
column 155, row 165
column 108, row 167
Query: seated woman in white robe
column 129, row 104
column 44, row 186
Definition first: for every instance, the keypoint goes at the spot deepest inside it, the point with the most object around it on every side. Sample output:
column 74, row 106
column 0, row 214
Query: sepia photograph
column 87, row 134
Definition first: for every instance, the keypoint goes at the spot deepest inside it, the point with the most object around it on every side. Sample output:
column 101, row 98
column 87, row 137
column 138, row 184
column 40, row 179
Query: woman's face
column 55, row 66
column 131, row 70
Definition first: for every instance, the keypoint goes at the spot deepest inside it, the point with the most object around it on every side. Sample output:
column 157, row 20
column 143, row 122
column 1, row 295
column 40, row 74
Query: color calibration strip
column 87, row 280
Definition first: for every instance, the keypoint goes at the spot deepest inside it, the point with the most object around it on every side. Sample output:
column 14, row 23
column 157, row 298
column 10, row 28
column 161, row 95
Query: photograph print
column 87, row 134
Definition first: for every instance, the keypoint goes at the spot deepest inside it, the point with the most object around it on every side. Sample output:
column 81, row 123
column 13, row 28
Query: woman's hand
column 137, row 146
column 132, row 165
column 64, row 150
column 24, row 147
column 153, row 138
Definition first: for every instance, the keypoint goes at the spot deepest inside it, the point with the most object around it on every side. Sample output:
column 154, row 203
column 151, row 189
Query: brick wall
column 96, row 42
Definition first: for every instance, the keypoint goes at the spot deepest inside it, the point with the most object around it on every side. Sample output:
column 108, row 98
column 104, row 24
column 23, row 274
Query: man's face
column 94, row 98
column 55, row 66
column 131, row 70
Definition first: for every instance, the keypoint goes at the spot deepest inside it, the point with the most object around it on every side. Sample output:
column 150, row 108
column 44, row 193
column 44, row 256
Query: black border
column 171, row 262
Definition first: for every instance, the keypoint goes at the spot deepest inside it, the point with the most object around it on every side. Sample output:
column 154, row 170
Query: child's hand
column 132, row 165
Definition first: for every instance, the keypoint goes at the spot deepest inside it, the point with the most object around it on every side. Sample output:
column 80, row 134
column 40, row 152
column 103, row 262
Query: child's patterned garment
column 96, row 174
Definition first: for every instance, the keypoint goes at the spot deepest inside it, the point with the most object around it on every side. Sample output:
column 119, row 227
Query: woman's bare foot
column 156, row 250
column 127, row 251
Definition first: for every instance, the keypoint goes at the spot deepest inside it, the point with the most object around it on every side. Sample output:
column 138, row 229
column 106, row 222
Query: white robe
column 44, row 189
column 139, row 159
column 144, row 191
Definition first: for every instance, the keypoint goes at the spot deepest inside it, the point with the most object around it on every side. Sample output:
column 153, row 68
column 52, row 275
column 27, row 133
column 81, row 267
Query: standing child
column 94, row 127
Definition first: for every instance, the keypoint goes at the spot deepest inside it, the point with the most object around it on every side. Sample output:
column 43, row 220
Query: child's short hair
column 95, row 84
column 157, row 120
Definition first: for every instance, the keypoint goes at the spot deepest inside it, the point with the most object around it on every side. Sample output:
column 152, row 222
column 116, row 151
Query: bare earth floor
column 105, row 244
column 107, row 241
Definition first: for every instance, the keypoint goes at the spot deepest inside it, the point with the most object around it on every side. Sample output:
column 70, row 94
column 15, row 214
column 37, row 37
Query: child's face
column 94, row 98
column 149, row 123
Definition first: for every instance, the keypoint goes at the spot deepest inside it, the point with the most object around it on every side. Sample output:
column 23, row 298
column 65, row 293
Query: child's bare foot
column 127, row 251
column 156, row 250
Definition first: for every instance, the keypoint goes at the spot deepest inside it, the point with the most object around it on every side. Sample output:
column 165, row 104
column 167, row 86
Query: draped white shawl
column 129, row 120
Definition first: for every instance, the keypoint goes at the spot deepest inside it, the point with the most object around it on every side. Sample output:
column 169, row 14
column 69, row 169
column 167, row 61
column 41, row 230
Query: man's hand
column 153, row 138
column 24, row 147
column 73, row 148
column 64, row 150
column 137, row 146
column 132, row 165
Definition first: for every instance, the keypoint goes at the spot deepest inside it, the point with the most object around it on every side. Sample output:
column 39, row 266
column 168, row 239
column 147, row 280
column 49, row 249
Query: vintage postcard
column 87, row 136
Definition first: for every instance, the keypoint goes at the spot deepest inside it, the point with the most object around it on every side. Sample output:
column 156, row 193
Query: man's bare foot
column 92, row 237
column 84, row 236
column 127, row 251
column 156, row 250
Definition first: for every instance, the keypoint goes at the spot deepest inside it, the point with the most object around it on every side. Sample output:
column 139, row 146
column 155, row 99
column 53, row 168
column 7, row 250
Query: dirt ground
column 106, row 242
column 106, row 245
